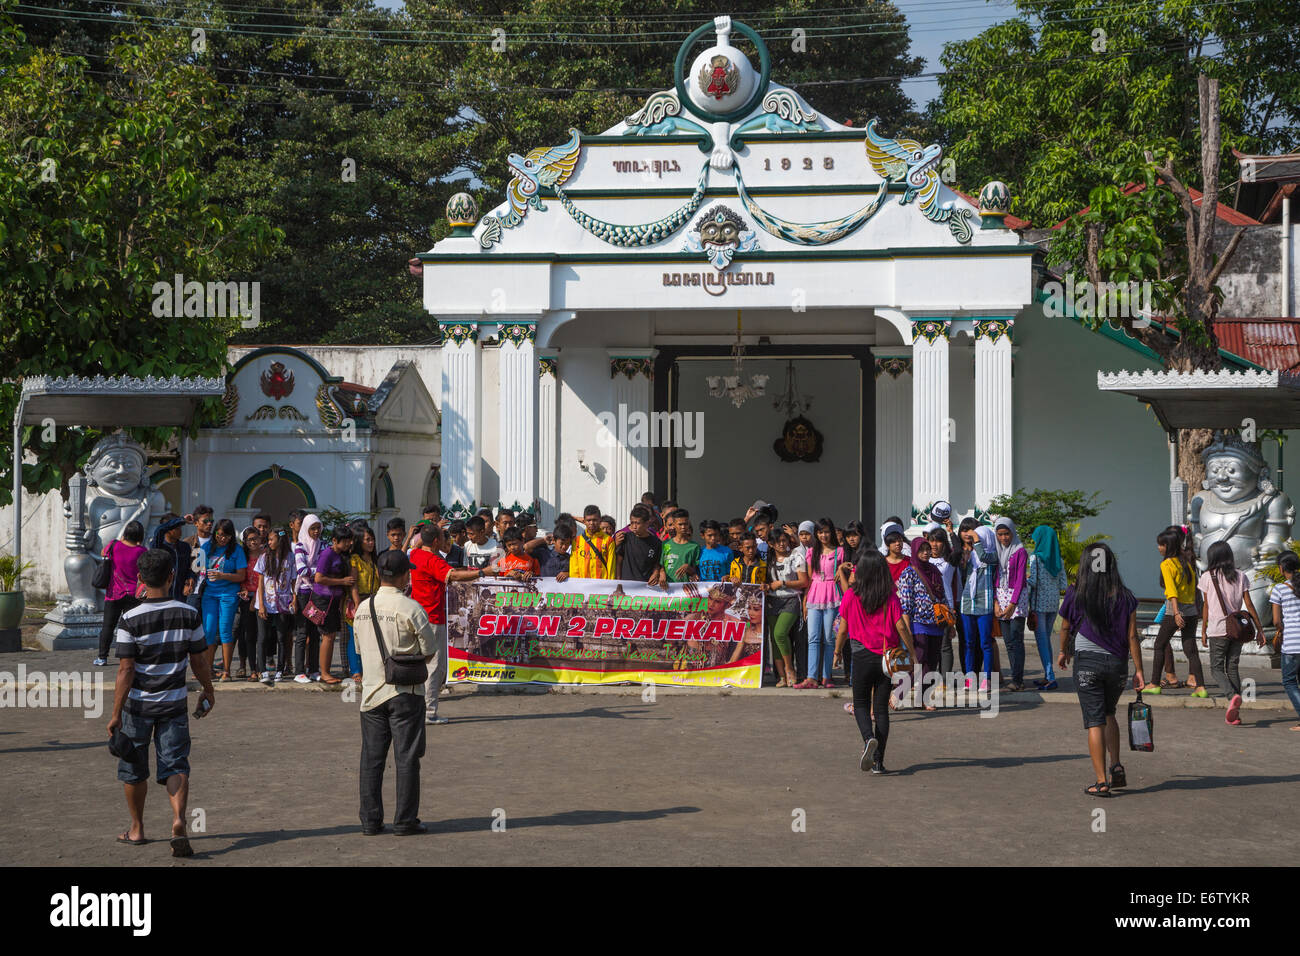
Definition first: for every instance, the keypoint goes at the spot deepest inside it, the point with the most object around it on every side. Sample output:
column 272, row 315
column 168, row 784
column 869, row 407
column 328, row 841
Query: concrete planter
column 11, row 609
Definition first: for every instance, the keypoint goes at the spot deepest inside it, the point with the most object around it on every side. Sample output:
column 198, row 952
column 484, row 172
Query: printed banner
column 587, row 631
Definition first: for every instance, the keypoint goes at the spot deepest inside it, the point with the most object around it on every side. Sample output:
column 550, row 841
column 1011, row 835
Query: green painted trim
column 675, row 193
column 319, row 369
column 759, row 255
column 388, row 490
column 822, row 136
column 1123, row 338
column 262, row 477
column 615, row 139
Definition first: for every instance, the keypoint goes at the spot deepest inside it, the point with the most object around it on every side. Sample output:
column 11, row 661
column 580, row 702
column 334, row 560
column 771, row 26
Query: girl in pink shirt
column 871, row 617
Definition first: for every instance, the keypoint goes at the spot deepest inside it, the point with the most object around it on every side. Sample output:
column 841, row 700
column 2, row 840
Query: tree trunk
column 1191, row 468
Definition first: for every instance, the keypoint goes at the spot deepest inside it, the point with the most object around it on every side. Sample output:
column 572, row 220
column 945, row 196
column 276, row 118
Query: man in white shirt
column 480, row 550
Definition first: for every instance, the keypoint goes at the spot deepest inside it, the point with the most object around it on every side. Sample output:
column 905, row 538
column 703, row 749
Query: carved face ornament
column 118, row 472
column 1231, row 478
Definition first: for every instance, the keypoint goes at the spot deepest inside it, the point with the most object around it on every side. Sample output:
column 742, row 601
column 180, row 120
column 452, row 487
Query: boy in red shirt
column 517, row 563
column 429, row 576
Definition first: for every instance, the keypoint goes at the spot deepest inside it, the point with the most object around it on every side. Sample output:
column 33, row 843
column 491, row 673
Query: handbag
column 1239, row 625
column 314, row 612
column 398, row 668
column 1141, row 726
column 943, row 615
column 104, row 571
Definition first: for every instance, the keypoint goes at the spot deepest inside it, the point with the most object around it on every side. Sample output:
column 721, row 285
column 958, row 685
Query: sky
column 931, row 24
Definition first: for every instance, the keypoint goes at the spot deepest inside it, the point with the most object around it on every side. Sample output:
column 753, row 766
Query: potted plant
column 11, row 599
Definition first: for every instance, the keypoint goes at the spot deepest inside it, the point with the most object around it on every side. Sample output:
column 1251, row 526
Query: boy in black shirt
column 640, row 553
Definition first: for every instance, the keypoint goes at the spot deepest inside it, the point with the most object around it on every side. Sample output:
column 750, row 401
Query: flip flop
column 1101, row 789
column 181, row 846
column 130, row 842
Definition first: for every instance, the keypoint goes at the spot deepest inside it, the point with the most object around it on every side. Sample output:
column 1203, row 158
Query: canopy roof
column 1222, row 399
column 123, row 402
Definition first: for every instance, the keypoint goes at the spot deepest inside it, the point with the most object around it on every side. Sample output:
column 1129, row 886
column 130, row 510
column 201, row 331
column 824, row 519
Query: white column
column 461, row 420
column 353, row 472
column 629, row 469
column 548, row 438
column 993, row 474
column 931, row 427
column 517, row 378
column 893, row 382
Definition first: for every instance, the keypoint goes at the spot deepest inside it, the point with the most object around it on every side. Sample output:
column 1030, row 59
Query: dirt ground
column 686, row 779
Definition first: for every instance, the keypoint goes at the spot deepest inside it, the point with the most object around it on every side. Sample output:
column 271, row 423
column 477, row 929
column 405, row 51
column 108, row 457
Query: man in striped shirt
column 153, row 641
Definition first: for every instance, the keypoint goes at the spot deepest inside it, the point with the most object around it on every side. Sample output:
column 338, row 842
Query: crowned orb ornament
column 995, row 203
column 721, row 79
column 1239, row 504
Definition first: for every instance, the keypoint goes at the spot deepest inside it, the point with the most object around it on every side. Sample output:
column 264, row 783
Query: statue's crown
column 1229, row 443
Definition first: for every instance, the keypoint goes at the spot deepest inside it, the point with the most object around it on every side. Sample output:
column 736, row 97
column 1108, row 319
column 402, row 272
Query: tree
column 1055, row 508
column 103, row 196
column 425, row 103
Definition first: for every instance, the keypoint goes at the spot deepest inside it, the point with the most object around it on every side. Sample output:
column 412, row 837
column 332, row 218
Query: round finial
column 995, row 199
column 721, row 79
column 462, row 211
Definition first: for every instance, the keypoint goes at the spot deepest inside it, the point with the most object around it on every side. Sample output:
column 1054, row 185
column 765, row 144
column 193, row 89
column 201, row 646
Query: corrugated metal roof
column 1273, row 343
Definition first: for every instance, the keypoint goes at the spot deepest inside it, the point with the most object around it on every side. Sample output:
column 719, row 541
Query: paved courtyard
column 600, row 778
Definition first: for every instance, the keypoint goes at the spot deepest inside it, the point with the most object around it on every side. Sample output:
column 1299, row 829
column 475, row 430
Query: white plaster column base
column 930, row 420
column 993, row 474
column 548, row 438
column 517, row 376
column 461, row 421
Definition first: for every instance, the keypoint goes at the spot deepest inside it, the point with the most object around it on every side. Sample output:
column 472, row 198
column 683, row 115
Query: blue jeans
column 350, row 645
column 171, row 744
column 219, row 617
column 1290, row 669
column 821, row 642
column 1043, row 635
column 981, row 625
column 1013, row 636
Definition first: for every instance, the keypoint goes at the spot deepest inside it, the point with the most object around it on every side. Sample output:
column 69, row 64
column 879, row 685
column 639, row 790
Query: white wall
column 43, row 529
column 1068, row 435
column 739, row 464
column 367, row 364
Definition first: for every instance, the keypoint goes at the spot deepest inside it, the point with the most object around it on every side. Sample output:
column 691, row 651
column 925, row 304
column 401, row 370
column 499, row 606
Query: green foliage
column 11, row 571
column 331, row 518
column 103, row 194
column 1055, row 101
column 1272, row 571
column 1072, row 548
column 1054, row 508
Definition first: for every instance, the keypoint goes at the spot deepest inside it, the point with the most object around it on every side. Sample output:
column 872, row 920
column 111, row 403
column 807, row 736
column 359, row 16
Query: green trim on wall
column 622, row 140
column 1123, row 338
column 262, row 477
column 388, row 490
column 319, row 369
column 759, row 255
column 855, row 189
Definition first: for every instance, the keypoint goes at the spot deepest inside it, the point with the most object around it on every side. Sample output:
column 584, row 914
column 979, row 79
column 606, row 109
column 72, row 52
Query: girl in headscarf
column 306, row 642
column 978, row 564
column 1046, row 582
column 920, row 587
column 1011, row 597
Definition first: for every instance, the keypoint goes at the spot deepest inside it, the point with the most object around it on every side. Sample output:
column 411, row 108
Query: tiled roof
column 1224, row 213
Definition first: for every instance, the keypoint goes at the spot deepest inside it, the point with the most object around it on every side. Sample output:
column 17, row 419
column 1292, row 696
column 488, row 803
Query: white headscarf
column 889, row 527
column 1004, row 554
column 309, row 544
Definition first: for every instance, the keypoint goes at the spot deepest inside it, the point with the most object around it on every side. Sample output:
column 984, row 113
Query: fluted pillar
column 931, row 425
column 548, row 438
column 893, row 383
column 993, row 475
column 517, row 377
column 629, row 468
column 462, row 474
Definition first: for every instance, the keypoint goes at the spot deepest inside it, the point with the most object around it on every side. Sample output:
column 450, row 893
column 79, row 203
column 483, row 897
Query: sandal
column 224, row 678
column 1118, row 778
column 330, row 679
column 1099, row 789
column 1167, row 684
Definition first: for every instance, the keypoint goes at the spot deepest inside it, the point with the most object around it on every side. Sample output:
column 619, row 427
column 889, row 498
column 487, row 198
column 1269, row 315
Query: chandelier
column 729, row 386
column 791, row 402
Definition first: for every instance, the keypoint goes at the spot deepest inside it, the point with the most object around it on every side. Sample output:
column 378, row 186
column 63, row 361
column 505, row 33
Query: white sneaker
column 279, row 676
column 99, row 662
column 868, row 752
column 302, row 679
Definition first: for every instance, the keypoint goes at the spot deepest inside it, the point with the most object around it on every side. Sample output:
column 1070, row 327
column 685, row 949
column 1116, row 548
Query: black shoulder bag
column 104, row 570
column 398, row 668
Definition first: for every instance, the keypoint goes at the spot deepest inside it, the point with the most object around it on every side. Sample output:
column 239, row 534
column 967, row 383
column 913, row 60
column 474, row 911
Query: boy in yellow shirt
column 593, row 550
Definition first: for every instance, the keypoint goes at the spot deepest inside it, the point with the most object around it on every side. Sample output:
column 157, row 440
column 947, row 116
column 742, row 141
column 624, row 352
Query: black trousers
column 275, row 626
column 112, row 613
column 397, row 722
column 871, row 688
column 799, row 638
column 246, row 633
column 1163, row 658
